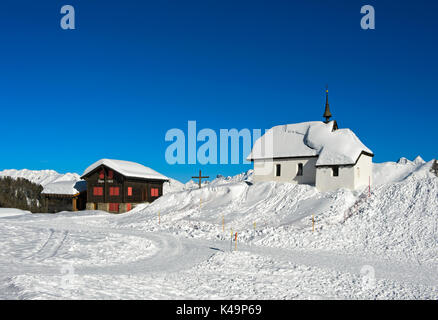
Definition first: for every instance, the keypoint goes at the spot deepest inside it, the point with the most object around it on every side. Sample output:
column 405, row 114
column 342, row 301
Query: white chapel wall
column 363, row 171
column 325, row 181
column 265, row 170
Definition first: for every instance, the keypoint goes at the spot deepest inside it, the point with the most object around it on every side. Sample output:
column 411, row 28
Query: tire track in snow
column 52, row 231
column 174, row 254
column 50, row 247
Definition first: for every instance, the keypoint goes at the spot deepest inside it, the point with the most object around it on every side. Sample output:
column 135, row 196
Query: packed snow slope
column 398, row 219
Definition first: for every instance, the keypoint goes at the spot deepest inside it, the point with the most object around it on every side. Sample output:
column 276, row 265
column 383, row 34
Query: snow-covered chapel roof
column 128, row 169
column 307, row 139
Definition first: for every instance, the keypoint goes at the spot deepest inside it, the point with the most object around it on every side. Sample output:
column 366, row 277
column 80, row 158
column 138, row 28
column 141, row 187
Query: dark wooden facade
column 129, row 190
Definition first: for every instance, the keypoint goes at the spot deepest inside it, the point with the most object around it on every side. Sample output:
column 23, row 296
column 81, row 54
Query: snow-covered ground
column 382, row 245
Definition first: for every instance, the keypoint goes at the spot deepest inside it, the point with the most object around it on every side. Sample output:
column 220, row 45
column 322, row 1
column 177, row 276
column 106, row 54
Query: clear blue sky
column 134, row 69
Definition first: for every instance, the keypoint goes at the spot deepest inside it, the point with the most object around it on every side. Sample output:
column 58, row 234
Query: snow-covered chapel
column 316, row 153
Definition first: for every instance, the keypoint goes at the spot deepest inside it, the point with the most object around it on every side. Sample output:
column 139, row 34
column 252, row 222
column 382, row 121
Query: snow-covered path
column 170, row 253
column 175, row 266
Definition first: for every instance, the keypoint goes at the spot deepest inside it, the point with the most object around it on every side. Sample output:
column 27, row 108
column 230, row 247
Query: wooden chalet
column 65, row 196
column 117, row 186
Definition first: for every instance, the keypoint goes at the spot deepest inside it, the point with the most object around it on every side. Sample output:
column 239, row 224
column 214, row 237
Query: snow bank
column 390, row 172
column 12, row 212
column 400, row 218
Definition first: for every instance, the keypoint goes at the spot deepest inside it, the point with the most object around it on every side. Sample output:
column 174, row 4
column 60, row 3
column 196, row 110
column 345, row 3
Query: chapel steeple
column 327, row 114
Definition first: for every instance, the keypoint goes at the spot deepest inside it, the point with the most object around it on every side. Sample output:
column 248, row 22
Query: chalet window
column 129, row 191
column 98, row 191
column 335, row 171
column 114, row 207
column 110, row 174
column 277, row 170
column 114, row 191
column 154, row 192
column 102, row 175
column 300, row 169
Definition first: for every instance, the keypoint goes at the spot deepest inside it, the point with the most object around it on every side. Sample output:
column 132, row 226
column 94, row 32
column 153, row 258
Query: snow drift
column 399, row 219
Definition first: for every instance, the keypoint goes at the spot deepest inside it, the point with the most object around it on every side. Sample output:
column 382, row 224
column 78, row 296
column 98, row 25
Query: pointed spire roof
column 327, row 114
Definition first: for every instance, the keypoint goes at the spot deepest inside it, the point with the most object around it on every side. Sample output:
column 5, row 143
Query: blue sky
column 134, row 69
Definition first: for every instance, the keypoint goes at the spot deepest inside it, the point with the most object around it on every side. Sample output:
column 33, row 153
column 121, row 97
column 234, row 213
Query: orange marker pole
column 235, row 240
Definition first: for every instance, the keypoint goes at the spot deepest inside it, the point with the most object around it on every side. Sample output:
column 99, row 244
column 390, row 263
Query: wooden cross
column 200, row 177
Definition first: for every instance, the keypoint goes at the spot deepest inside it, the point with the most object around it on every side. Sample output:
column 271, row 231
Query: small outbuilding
column 117, row 185
column 65, row 196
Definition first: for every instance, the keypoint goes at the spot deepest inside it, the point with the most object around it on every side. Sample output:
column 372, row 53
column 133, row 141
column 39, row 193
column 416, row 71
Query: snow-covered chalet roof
column 307, row 139
column 71, row 187
column 128, row 169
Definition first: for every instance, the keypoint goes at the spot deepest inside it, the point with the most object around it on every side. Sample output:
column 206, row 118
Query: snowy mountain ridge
column 41, row 177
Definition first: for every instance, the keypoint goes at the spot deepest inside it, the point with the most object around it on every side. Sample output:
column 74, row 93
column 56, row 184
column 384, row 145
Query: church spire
column 327, row 114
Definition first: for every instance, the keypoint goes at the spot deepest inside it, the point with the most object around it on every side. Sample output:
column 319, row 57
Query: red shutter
column 154, row 192
column 128, row 207
column 114, row 207
column 114, row 191
column 129, row 191
column 110, row 174
column 102, row 174
column 97, row 191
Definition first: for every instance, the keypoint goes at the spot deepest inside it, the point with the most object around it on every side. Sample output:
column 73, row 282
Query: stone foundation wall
column 105, row 206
